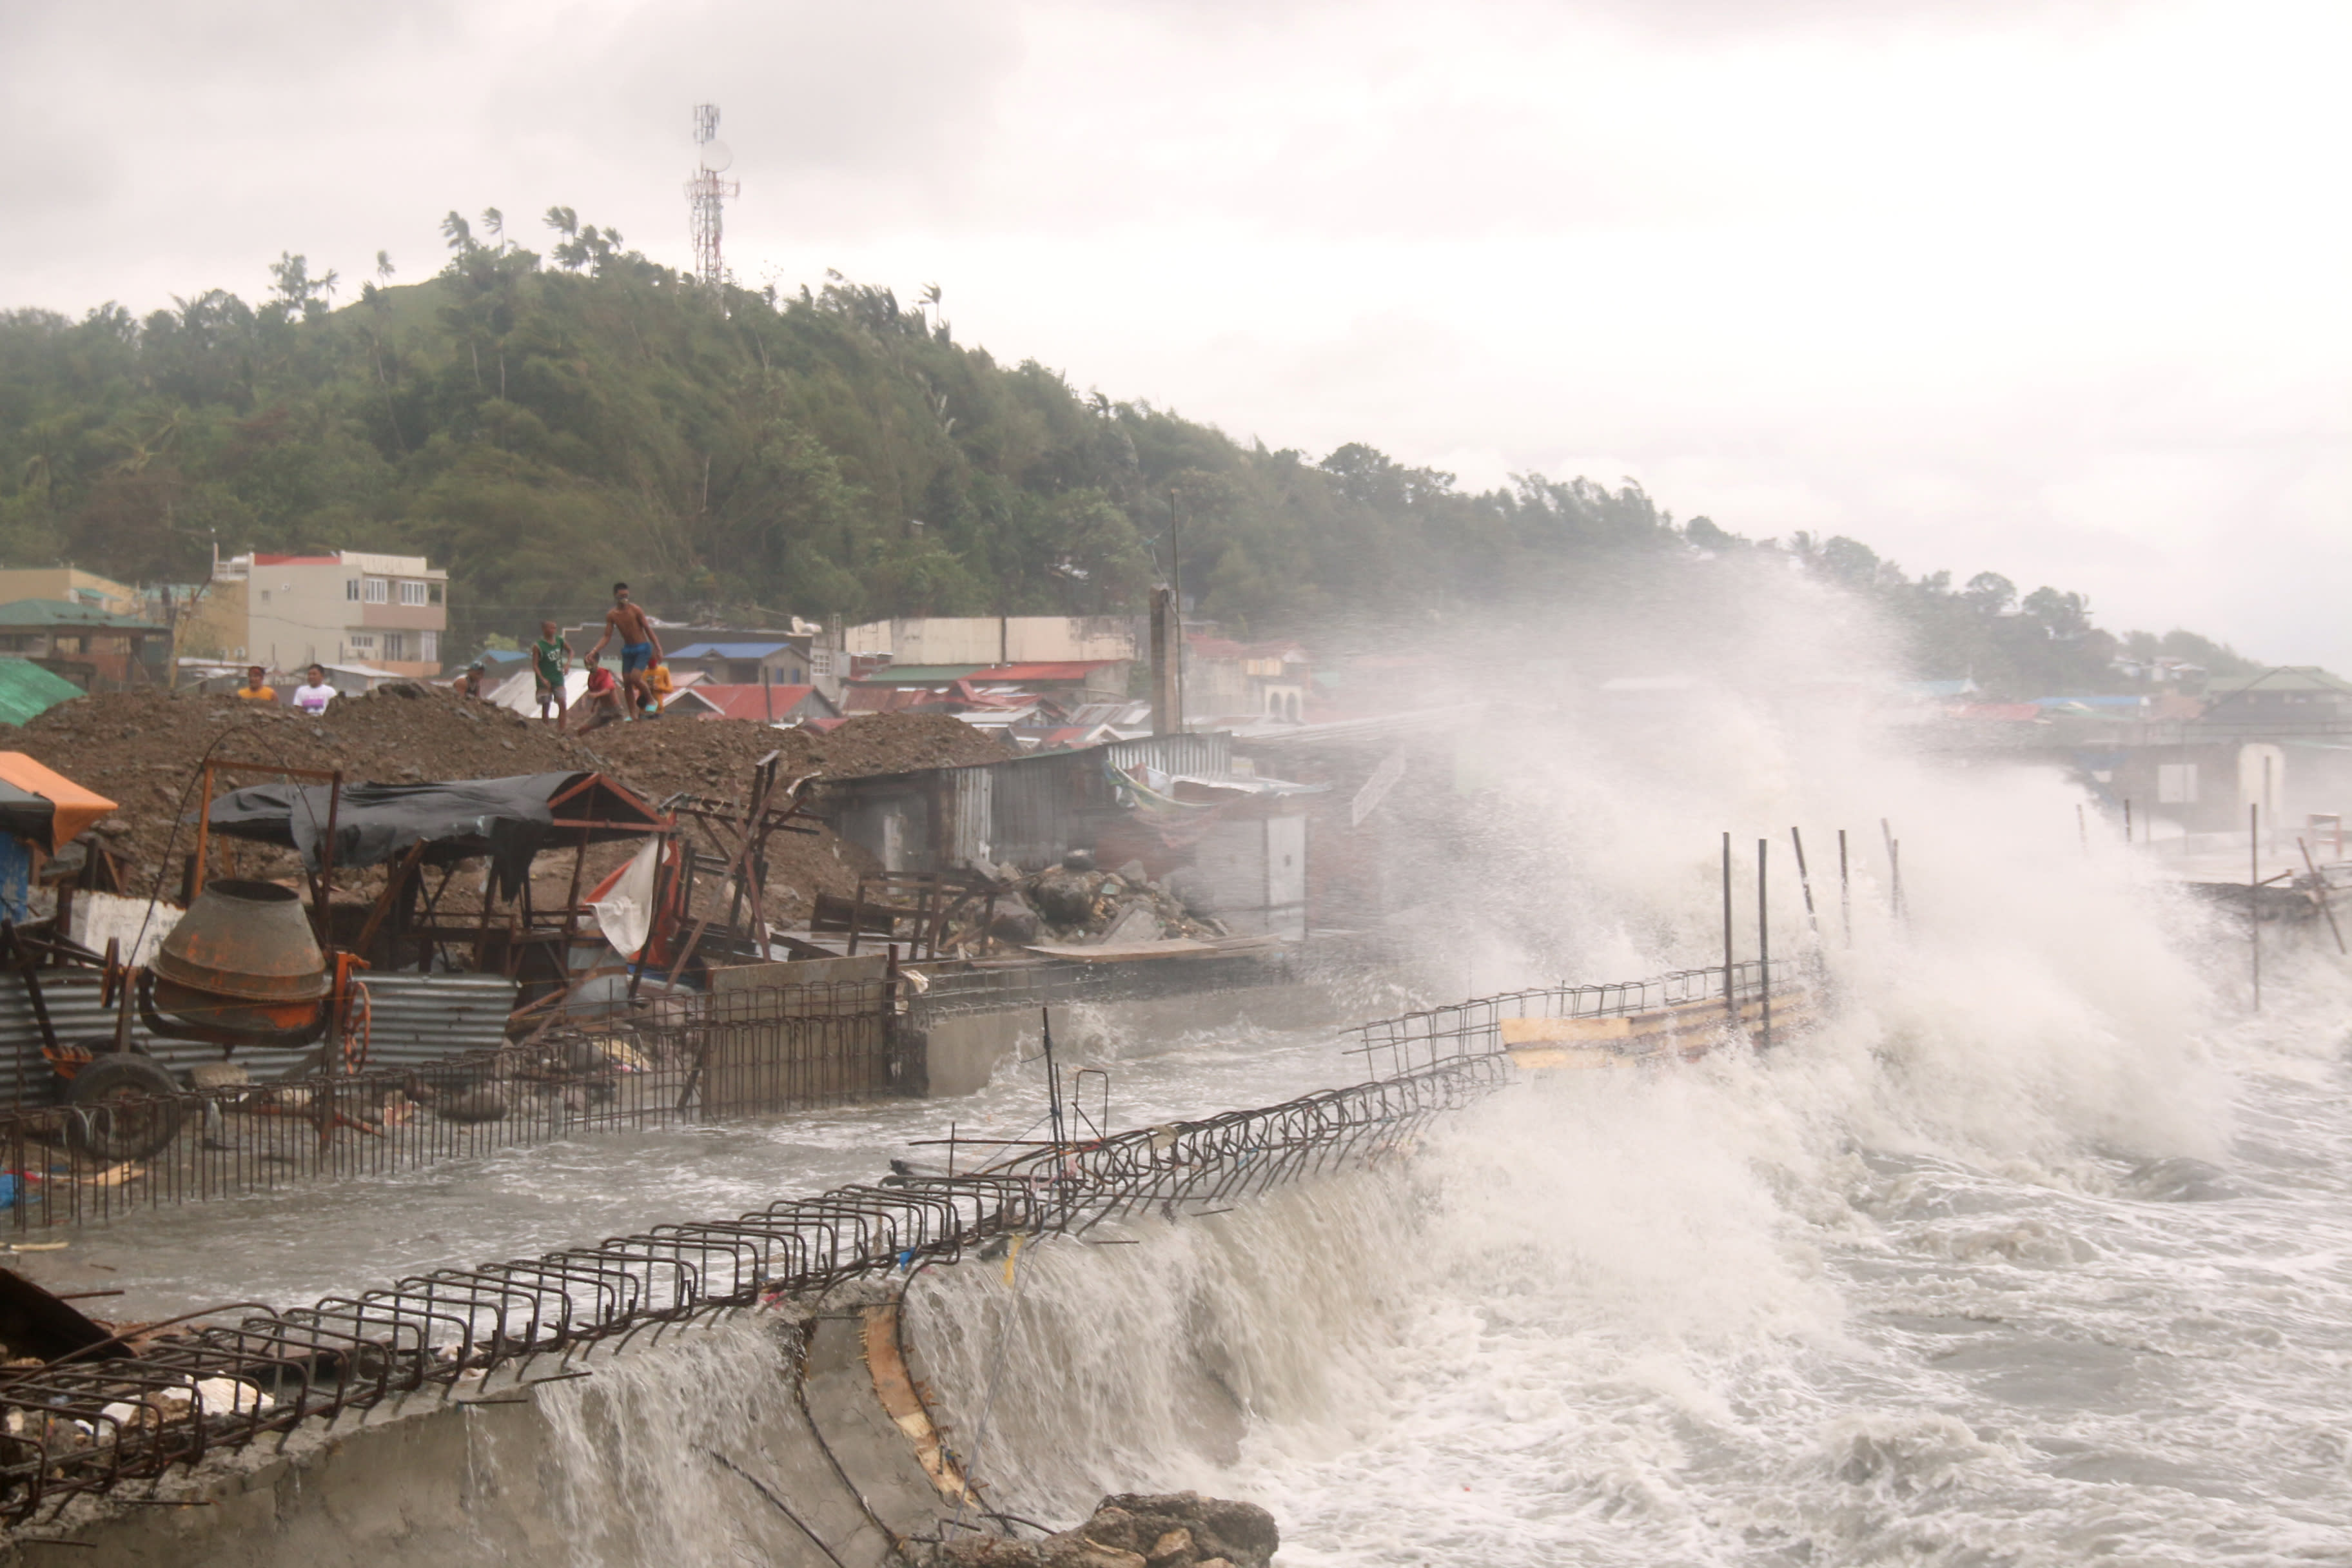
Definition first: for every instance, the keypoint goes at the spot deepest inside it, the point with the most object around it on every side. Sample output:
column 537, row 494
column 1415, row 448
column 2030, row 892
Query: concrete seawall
column 801, row 1443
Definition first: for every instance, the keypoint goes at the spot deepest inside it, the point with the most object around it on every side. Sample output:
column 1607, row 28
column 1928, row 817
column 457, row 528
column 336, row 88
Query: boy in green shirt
column 551, row 657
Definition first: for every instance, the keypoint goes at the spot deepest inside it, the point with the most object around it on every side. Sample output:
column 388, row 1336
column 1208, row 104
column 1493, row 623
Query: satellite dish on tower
column 716, row 156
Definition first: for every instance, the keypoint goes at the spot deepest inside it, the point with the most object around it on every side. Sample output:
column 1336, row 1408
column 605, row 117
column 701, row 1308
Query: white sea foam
column 2038, row 1251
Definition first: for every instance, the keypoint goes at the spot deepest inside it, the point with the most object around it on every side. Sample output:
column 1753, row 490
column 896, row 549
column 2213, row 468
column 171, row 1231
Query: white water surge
column 2038, row 1252
column 1694, row 1318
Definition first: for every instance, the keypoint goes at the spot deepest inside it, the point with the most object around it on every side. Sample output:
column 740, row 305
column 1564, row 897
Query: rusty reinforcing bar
column 225, row 1378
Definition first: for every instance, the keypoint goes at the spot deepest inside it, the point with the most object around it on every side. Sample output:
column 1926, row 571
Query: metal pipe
column 2254, row 894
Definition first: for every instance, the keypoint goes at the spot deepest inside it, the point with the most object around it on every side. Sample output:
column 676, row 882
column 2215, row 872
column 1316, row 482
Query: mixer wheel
column 130, row 1106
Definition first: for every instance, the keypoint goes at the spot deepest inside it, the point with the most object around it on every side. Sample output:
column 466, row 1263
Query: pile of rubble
column 1183, row 1530
column 1074, row 903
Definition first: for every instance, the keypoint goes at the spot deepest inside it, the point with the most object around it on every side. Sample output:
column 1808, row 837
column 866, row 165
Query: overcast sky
column 2056, row 289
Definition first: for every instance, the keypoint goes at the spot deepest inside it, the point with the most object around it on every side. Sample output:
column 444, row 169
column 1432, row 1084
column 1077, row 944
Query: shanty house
column 96, row 650
column 746, row 663
column 1173, row 802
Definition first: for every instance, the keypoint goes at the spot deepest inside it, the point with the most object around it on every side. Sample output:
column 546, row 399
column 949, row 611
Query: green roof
column 27, row 691
column 64, row 612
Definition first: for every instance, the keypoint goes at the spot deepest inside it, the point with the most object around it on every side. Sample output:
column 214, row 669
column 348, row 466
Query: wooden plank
column 1552, row 1059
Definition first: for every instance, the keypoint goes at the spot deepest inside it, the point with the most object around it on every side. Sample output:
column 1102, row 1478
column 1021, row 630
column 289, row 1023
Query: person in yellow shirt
column 658, row 685
column 256, row 687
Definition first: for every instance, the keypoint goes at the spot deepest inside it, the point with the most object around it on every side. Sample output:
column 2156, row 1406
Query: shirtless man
column 639, row 648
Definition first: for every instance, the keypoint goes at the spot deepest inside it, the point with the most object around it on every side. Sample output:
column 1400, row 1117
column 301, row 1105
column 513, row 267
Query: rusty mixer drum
column 243, row 958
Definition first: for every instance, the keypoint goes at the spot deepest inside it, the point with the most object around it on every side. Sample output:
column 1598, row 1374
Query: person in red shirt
column 601, row 705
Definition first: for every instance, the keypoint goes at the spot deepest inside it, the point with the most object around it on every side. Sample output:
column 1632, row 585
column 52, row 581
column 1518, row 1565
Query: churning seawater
column 1690, row 1318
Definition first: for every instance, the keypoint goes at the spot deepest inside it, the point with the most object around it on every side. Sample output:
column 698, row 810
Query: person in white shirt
column 313, row 695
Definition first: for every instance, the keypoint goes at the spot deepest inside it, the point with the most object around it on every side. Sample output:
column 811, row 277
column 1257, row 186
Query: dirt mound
column 142, row 750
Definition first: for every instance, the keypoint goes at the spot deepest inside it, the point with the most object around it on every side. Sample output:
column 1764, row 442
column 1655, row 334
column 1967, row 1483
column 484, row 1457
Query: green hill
column 544, row 426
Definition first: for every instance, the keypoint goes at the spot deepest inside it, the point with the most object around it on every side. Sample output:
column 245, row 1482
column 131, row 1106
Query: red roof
column 1065, row 669
column 863, row 699
column 261, row 560
column 749, row 702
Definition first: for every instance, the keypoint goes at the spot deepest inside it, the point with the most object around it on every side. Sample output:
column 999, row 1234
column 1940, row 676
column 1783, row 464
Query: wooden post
column 1730, row 1000
column 1894, row 870
column 2319, row 892
column 1805, row 881
column 2254, row 894
column 1845, row 890
column 1764, row 940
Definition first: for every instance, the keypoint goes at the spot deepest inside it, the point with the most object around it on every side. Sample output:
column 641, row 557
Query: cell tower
column 707, row 194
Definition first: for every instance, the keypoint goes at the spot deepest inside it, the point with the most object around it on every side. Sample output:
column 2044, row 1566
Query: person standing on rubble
column 639, row 647
column 550, row 661
column 256, row 687
column 313, row 695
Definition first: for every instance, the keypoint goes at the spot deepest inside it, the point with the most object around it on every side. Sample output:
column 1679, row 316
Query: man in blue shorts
column 640, row 649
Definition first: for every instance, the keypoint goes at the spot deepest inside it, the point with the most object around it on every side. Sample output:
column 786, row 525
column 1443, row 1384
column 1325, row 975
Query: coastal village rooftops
column 994, row 674
column 64, row 612
column 2286, row 678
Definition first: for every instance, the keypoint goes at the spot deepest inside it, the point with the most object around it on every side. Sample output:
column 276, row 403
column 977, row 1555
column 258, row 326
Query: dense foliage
column 543, row 426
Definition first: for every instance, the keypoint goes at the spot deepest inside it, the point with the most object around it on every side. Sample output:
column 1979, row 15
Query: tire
column 130, row 1106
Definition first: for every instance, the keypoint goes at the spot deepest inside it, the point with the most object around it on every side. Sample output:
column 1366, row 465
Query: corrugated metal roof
column 418, row 1019
column 27, row 691
column 64, row 613
column 746, row 700
column 918, row 674
column 733, row 650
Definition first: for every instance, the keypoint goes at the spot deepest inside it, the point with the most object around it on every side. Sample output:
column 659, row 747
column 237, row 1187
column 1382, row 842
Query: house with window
column 353, row 608
column 96, row 650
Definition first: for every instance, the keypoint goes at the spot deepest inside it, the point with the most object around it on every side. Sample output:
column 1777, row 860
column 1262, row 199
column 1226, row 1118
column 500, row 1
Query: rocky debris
column 1076, row 904
column 1183, row 1530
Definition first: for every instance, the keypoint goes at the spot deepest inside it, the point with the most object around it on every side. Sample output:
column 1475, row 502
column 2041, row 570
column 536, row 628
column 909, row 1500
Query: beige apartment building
column 71, row 585
column 351, row 609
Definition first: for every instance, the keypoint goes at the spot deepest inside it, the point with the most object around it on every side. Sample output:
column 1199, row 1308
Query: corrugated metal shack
column 1027, row 813
column 417, row 1020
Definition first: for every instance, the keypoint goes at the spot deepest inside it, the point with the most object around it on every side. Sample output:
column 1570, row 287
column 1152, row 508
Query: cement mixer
column 242, row 969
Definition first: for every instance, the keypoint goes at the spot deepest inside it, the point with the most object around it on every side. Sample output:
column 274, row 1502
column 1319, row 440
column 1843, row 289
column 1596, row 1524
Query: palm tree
column 457, row 231
column 383, row 266
column 496, row 222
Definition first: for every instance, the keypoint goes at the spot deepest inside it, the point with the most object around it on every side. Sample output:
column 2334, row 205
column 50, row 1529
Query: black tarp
column 508, row 819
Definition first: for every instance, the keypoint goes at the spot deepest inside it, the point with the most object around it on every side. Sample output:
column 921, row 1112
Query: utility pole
column 1176, row 580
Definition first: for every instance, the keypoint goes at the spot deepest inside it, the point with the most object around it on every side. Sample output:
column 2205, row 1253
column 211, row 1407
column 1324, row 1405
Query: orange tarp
column 76, row 807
